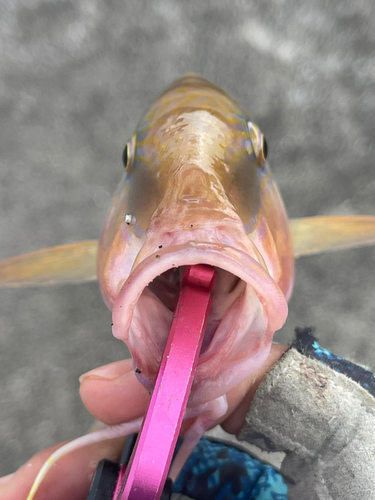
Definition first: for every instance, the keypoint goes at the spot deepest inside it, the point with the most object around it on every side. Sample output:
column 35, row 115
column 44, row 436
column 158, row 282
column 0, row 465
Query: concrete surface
column 75, row 77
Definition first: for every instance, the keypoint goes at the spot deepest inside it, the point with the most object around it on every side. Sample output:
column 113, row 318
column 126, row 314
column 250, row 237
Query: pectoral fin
column 326, row 234
column 71, row 263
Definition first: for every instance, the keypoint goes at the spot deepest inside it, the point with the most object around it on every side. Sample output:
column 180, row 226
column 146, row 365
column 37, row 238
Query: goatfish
column 197, row 189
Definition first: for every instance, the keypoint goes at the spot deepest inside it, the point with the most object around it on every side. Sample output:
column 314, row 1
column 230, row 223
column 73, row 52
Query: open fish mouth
column 167, row 287
column 247, row 308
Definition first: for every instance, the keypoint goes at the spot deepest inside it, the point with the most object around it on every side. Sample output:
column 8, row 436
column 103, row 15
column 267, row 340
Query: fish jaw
column 247, row 306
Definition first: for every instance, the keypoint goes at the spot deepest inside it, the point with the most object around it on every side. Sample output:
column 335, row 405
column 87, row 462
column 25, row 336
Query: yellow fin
column 326, row 234
column 71, row 263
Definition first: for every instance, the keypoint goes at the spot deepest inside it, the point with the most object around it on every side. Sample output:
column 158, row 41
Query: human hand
column 113, row 395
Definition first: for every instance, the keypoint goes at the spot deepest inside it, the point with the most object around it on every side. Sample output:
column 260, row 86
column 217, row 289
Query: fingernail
column 5, row 479
column 107, row 372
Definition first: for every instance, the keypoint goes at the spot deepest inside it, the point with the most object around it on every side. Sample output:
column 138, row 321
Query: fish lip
column 209, row 253
column 218, row 255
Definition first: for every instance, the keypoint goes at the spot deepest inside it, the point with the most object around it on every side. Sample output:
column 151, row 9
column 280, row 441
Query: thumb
column 113, row 394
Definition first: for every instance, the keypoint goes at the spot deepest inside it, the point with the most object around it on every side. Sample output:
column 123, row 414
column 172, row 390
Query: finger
column 113, row 394
column 69, row 478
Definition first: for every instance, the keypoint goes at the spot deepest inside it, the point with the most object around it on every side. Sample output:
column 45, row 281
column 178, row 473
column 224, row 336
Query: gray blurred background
column 75, row 77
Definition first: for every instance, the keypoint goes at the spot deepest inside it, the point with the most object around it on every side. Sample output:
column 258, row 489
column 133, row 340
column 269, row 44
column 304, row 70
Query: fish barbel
column 197, row 189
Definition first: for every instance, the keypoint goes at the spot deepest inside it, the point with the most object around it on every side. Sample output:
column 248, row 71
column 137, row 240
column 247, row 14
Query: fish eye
column 265, row 149
column 259, row 146
column 126, row 156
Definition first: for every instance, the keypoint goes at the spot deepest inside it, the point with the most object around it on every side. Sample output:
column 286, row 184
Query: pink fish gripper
column 144, row 475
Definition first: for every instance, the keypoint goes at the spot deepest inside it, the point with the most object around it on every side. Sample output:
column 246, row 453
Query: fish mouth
column 167, row 287
column 247, row 308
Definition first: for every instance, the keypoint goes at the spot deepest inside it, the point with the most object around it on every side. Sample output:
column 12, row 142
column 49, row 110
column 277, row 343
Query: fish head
column 197, row 190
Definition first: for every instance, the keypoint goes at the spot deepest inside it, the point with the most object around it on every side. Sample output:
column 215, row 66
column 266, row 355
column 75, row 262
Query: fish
column 197, row 189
